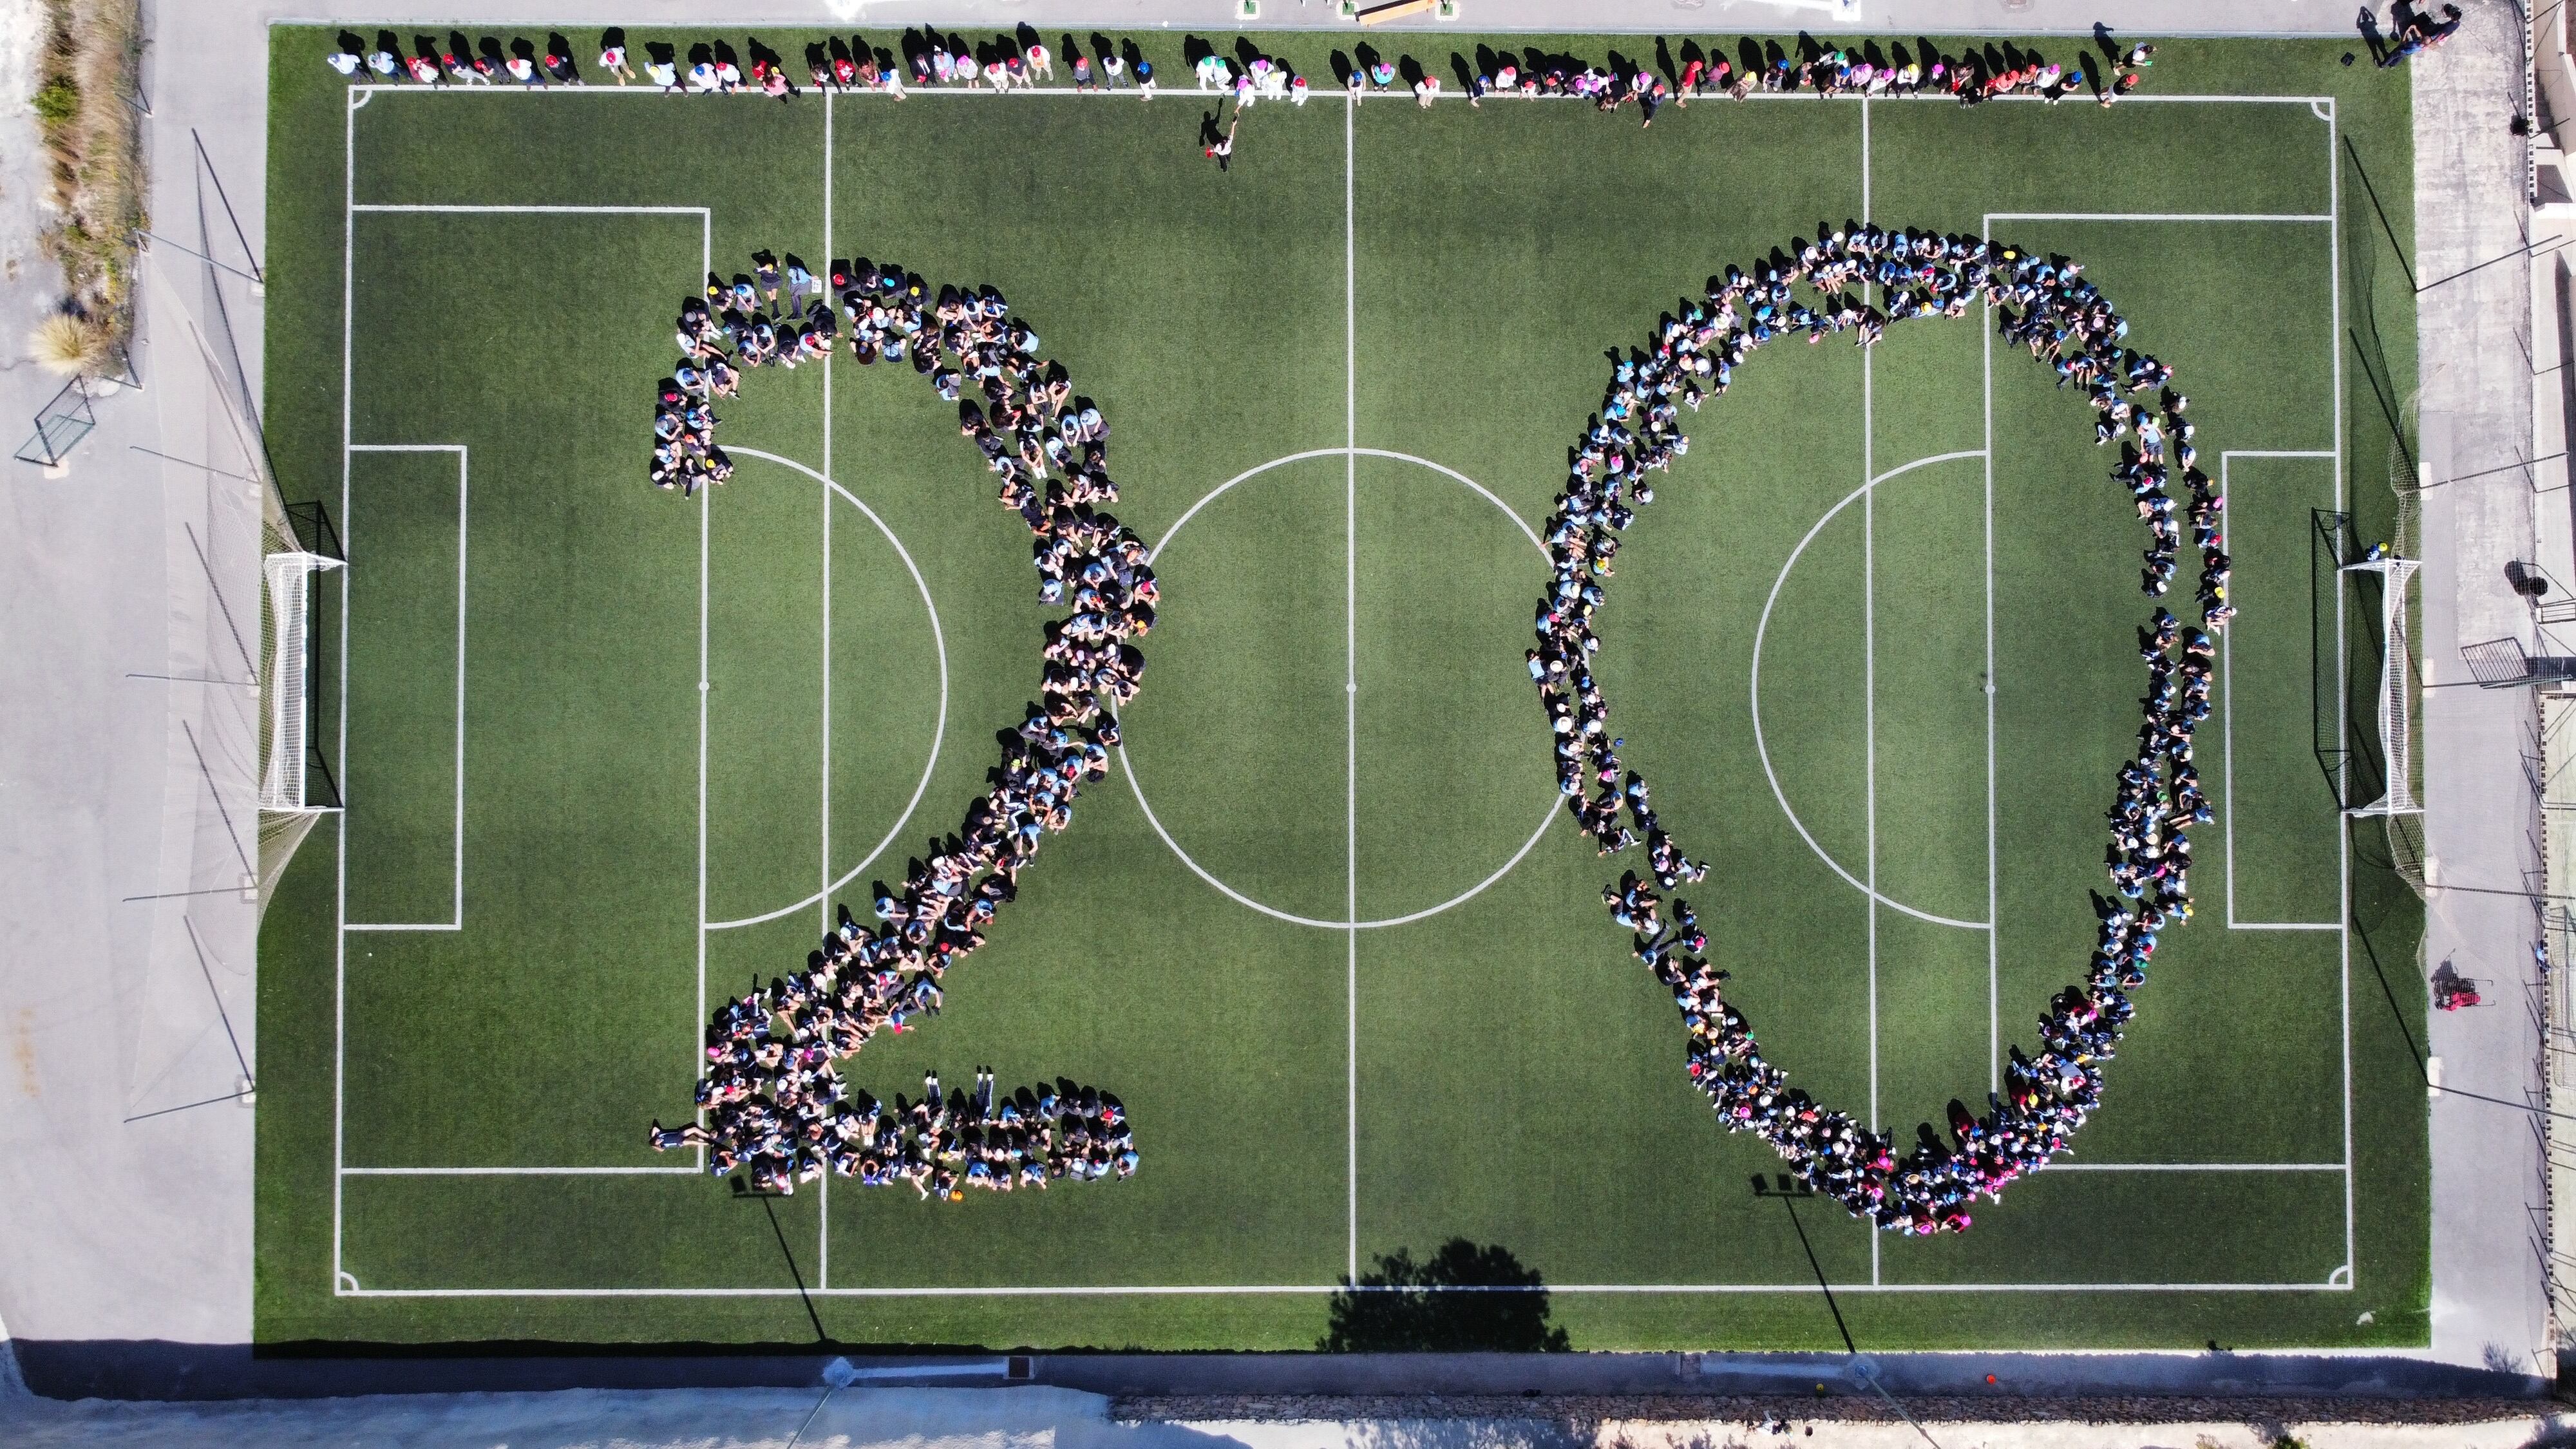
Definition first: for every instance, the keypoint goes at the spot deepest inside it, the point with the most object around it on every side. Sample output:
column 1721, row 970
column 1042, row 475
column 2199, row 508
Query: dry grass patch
column 94, row 143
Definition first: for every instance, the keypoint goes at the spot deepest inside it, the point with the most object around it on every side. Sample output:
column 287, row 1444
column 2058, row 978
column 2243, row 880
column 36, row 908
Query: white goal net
column 286, row 581
column 2396, row 687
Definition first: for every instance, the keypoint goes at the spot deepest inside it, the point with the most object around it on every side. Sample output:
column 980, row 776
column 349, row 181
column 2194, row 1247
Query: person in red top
column 1692, row 71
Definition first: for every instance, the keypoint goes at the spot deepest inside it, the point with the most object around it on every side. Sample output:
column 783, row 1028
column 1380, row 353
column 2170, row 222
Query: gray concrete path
column 127, row 982
column 130, row 605
column 1039, row 1418
column 2489, row 1292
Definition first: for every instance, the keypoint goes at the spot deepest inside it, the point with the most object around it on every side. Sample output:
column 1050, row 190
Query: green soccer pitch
column 609, row 755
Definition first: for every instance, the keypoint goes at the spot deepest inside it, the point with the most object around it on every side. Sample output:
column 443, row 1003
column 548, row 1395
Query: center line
column 1869, row 664
column 1351, row 665
column 823, row 1211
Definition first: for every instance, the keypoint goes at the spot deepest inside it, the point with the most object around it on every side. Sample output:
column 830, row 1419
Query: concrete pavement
column 1040, row 1418
column 2489, row 1295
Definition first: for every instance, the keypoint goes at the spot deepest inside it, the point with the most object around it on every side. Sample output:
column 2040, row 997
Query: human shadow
column 2372, row 36
column 1464, row 1298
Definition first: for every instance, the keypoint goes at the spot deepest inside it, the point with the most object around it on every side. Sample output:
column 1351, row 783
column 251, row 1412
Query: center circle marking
column 1763, row 750
column 1128, row 768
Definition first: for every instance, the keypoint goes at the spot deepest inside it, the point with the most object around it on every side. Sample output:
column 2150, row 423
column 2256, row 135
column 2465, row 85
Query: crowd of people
column 1857, row 280
column 2416, row 31
column 923, row 58
column 773, row 1103
column 926, row 58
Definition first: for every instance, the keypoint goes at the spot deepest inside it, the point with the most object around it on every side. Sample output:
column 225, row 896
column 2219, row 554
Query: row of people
column 773, row 1100
column 940, row 1143
column 928, row 58
column 716, row 68
column 1858, row 279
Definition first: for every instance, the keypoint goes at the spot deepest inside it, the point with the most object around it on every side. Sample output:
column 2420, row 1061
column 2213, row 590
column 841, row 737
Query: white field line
column 1239, row 1289
column 340, row 836
column 1996, row 216
column 697, row 1022
column 462, row 208
column 2195, row 1167
column 1248, row 474
column 706, row 218
column 370, row 88
column 1350, row 671
column 2324, row 108
column 939, row 730
column 823, row 908
column 2335, row 404
column 2227, row 719
column 346, row 1285
column 706, row 260
column 1547, row 814
column 456, row 915
column 520, row 1172
column 1760, row 745
column 1994, row 939
column 1869, row 667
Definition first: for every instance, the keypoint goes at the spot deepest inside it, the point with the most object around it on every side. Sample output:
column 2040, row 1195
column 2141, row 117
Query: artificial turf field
column 482, row 979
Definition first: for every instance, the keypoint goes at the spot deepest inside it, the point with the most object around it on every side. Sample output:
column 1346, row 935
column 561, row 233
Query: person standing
column 612, row 56
column 346, row 62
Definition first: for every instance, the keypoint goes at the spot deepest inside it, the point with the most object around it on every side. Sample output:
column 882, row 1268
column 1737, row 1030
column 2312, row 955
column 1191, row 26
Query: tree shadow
column 1464, row 1298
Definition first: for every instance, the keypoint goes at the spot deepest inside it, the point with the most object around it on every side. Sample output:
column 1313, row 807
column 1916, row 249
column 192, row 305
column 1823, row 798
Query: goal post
column 2396, row 711
column 286, row 703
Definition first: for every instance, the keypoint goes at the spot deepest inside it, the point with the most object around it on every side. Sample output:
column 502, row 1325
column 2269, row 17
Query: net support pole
column 2396, row 697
